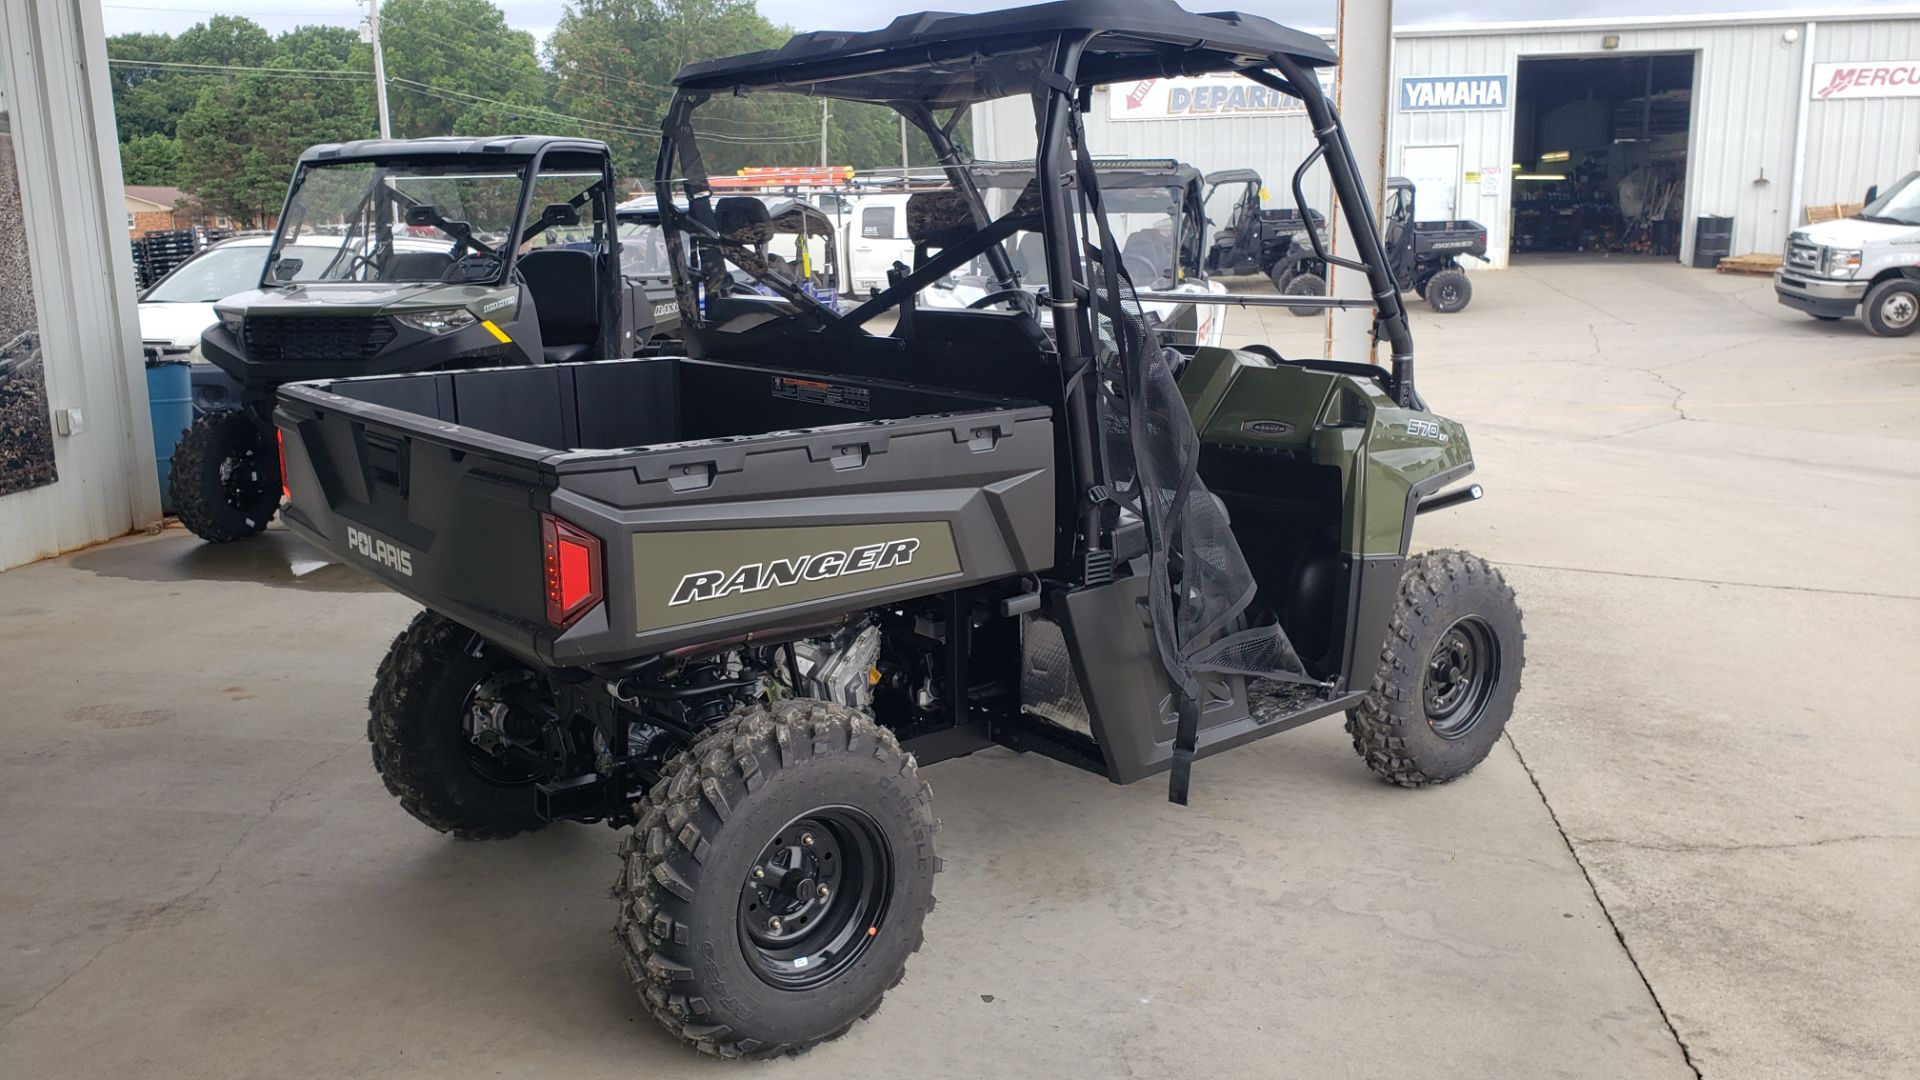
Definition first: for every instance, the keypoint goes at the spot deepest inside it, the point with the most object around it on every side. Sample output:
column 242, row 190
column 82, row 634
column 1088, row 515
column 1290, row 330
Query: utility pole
column 379, row 68
column 823, row 133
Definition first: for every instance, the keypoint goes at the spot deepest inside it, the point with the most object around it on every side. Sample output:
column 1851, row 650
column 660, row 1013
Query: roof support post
column 1361, row 86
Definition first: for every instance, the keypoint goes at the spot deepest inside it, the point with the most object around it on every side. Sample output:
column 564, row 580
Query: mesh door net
column 1199, row 584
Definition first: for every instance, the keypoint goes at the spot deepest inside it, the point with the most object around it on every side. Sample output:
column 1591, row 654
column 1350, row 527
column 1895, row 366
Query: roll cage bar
column 1059, row 96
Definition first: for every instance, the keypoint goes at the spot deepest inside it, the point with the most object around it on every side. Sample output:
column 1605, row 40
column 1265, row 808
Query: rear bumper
column 1828, row 299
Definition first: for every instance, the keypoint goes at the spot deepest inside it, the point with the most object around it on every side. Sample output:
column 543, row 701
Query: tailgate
column 445, row 514
column 682, row 543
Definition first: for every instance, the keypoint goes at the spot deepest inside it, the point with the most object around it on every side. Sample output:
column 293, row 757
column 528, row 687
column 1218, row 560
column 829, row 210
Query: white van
column 1869, row 262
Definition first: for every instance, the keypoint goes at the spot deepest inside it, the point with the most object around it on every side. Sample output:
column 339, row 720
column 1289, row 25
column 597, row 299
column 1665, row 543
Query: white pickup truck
column 1869, row 262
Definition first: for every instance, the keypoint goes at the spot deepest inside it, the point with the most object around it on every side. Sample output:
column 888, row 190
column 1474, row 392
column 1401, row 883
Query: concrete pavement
column 1706, row 503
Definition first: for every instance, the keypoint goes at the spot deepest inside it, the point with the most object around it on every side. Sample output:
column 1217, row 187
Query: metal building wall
column 53, row 69
column 1740, row 156
column 1854, row 143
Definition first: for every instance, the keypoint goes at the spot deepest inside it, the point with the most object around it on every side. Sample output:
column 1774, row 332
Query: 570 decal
column 778, row 573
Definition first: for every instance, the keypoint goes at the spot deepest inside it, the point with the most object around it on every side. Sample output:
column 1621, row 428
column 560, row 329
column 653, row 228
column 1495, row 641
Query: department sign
column 1866, row 79
column 1186, row 97
column 1438, row 92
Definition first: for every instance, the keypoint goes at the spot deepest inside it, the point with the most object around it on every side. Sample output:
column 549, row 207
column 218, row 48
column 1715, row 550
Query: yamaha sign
column 1439, row 92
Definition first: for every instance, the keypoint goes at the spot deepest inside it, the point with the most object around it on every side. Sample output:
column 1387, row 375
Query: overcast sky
column 539, row 16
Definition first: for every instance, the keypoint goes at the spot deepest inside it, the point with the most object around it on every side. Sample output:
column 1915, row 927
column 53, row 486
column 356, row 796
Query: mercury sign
column 1433, row 93
column 1188, row 98
column 1866, row 79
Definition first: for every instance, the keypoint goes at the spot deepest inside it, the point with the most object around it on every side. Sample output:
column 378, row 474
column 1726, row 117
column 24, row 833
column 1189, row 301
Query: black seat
column 416, row 266
column 1148, row 256
column 564, row 284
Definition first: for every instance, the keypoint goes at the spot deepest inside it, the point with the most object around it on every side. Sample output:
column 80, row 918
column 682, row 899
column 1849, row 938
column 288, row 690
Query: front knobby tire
column 419, row 726
column 1449, row 672
column 226, row 477
column 710, row 868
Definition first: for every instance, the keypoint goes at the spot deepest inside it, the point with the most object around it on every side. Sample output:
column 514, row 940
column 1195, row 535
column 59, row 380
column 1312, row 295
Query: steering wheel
column 1020, row 298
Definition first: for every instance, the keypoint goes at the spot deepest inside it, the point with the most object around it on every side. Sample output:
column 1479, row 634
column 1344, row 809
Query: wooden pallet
column 1833, row 212
column 1749, row 264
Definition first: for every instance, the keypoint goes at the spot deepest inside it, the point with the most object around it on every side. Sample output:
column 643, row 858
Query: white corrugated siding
column 1854, row 143
column 53, row 62
column 1740, row 155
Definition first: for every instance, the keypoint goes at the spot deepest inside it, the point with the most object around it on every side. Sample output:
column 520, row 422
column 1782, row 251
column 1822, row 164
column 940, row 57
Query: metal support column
column 1362, row 93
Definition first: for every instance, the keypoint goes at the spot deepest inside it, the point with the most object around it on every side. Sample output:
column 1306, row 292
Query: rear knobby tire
column 1449, row 291
column 1280, row 274
column 1421, row 722
column 226, row 477
column 421, row 739
column 1306, row 285
column 718, row 808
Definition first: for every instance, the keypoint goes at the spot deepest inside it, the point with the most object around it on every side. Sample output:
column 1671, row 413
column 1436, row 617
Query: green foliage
column 464, row 51
column 151, row 159
column 614, row 61
column 239, row 139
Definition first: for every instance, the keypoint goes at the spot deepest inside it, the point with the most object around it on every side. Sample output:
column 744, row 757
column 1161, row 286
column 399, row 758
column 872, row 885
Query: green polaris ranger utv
column 410, row 255
column 735, row 601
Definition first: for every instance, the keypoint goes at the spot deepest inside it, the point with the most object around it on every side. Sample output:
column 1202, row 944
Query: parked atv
column 1256, row 240
column 739, row 599
column 409, row 255
column 1424, row 256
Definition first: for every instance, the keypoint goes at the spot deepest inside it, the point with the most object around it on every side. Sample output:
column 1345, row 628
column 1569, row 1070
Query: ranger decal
column 778, row 573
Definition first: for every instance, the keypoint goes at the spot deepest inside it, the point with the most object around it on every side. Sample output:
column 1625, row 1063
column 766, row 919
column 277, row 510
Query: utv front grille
column 281, row 339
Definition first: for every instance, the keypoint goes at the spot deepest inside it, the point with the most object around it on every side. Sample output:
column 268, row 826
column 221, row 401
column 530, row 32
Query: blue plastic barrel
column 170, row 400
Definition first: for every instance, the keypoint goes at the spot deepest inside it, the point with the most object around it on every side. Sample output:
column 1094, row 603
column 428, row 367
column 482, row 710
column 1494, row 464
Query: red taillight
column 572, row 560
column 280, row 444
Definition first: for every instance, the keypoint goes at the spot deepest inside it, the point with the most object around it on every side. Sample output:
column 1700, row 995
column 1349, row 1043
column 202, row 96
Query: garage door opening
column 1600, row 153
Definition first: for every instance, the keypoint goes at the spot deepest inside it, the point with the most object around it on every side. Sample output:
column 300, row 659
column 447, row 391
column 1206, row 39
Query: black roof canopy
column 942, row 59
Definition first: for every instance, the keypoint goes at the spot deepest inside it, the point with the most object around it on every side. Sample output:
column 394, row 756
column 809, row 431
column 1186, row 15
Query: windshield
column 1901, row 206
column 218, row 273
column 643, row 250
column 397, row 221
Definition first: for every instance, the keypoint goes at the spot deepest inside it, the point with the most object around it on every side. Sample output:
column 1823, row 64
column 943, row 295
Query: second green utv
column 734, row 602
column 414, row 255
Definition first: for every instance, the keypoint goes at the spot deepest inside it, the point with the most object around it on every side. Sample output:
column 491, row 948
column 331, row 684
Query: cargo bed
column 703, row 499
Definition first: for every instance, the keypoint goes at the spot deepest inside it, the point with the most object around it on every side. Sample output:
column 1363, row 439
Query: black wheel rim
column 1462, row 671
column 244, row 482
column 1449, row 295
column 816, row 897
column 501, row 713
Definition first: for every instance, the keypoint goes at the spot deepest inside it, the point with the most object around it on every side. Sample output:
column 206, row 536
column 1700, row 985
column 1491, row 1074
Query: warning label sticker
column 823, row 393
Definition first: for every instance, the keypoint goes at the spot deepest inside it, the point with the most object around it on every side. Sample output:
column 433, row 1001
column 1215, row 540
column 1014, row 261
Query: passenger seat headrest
column 743, row 219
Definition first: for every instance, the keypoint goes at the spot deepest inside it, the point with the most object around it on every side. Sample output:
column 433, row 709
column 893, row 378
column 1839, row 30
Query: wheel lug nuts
column 806, row 839
column 759, row 872
column 774, row 925
column 823, row 892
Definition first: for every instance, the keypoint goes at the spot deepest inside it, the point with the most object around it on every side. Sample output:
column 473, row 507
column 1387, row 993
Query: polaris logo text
column 778, row 573
column 392, row 556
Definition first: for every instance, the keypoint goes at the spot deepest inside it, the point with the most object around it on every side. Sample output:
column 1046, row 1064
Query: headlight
column 234, row 321
column 444, row 321
column 1842, row 262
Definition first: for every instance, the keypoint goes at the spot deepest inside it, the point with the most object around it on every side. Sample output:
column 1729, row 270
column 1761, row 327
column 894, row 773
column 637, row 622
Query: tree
column 151, row 159
column 456, row 68
column 240, row 139
column 614, row 61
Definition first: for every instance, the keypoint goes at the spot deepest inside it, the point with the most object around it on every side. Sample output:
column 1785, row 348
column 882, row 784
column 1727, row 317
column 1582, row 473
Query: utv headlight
column 444, row 321
column 1843, row 262
column 234, row 321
